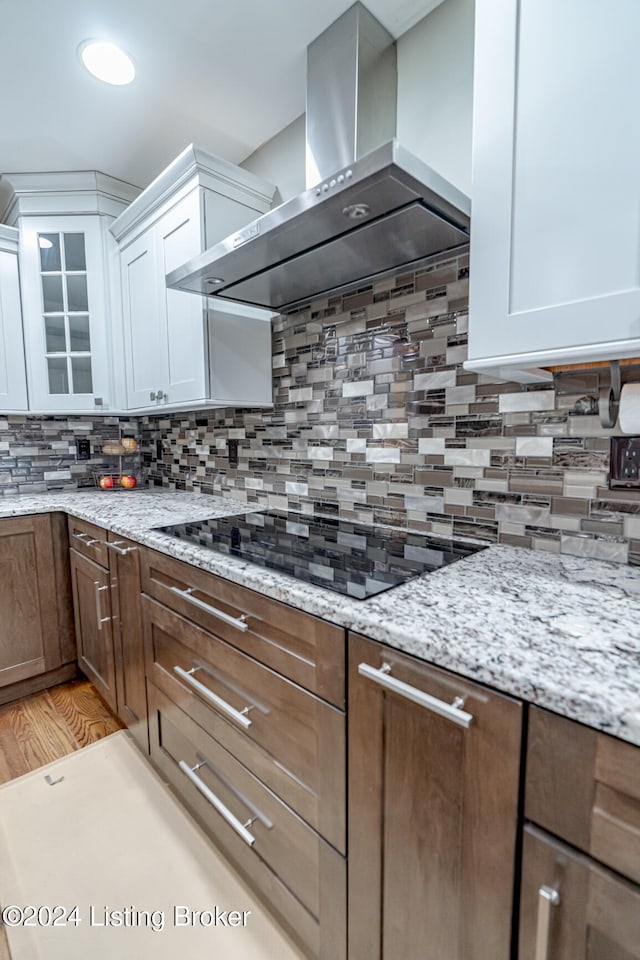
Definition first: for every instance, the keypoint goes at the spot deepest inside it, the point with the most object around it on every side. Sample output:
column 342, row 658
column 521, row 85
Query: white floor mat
column 111, row 840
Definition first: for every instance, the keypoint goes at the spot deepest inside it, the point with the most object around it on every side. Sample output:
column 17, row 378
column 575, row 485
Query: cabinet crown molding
column 64, row 193
column 194, row 167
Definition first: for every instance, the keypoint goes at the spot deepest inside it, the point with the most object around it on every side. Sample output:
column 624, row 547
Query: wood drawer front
column 295, row 743
column 89, row 540
column 303, row 648
column 302, row 877
column 597, row 916
column 584, row 786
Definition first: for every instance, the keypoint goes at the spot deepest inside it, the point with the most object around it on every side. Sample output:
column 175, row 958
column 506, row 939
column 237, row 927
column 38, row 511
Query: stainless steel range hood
column 362, row 217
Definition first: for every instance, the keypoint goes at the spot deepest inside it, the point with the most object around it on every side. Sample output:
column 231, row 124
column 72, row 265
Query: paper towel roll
column 630, row 408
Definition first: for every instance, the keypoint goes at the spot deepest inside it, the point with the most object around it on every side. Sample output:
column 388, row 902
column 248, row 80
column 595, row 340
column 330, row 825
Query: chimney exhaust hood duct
column 370, row 207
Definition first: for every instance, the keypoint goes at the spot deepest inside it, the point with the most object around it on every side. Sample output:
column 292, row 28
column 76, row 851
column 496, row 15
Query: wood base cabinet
column 572, row 908
column 300, row 876
column 247, row 724
column 94, row 633
column 105, row 572
column 580, row 902
column 434, row 764
column 35, row 603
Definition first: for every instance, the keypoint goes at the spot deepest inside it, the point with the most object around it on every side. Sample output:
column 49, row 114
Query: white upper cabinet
column 13, row 379
column 555, row 235
column 174, row 341
column 70, row 289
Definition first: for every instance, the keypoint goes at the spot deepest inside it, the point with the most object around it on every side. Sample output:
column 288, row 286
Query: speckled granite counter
column 559, row 631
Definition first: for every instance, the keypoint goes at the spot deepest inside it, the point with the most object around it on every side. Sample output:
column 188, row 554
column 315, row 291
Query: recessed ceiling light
column 107, row 62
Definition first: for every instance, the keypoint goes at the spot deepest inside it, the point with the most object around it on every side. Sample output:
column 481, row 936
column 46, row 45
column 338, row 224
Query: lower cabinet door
column 571, row 908
column 124, row 567
column 94, row 633
column 434, row 763
column 29, row 632
column 298, row 874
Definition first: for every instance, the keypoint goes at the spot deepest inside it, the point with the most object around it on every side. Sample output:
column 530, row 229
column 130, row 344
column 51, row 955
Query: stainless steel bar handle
column 98, row 590
column 449, row 711
column 216, row 802
column 85, row 538
column 547, row 899
column 239, row 716
column 115, row 546
column 237, row 622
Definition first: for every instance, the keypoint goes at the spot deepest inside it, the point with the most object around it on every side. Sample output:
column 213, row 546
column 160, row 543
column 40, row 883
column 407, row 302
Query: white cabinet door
column 179, row 236
column 555, row 239
column 164, row 329
column 13, row 378
column 145, row 347
column 65, row 297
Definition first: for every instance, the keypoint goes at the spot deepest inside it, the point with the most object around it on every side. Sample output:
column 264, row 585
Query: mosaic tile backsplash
column 39, row 453
column 375, row 420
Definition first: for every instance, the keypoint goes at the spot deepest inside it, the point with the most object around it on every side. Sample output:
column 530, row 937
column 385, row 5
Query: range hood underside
column 376, row 248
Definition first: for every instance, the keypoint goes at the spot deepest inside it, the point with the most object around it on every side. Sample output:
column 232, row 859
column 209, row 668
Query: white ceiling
column 224, row 74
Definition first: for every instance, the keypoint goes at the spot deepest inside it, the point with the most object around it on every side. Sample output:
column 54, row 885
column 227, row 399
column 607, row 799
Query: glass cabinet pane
column 74, row 255
column 65, row 302
column 54, row 334
column 52, row 294
column 79, row 338
column 49, row 244
column 81, row 373
column 58, row 375
column 77, row 293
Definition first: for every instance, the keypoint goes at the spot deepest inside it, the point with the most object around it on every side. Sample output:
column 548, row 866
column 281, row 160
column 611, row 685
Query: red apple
column 128, row 481
column 106, row 483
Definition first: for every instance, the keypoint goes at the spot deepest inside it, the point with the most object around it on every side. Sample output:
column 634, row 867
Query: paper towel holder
column 609, row 401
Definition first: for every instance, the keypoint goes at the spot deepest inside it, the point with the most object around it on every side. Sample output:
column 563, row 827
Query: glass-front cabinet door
column 66, row 312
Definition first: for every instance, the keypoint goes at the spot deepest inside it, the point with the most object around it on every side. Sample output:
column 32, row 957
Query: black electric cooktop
column 350, row 558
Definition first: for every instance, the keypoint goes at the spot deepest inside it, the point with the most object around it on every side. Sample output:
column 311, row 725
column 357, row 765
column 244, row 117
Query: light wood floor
column 46, row 726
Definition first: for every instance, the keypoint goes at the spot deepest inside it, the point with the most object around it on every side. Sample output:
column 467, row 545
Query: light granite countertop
column 559, row 631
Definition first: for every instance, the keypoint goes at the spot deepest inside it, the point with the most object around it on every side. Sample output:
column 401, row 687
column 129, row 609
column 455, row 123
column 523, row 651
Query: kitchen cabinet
column 105, row 573
column 13, row 376
column 555, row 239
column 94, row 631
column 244, row 728
column 179, row 350
column 572, row 908
column 434, row 766
column 131, row 692
column 580, row 902
column 36, row 642
column 70, row 289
